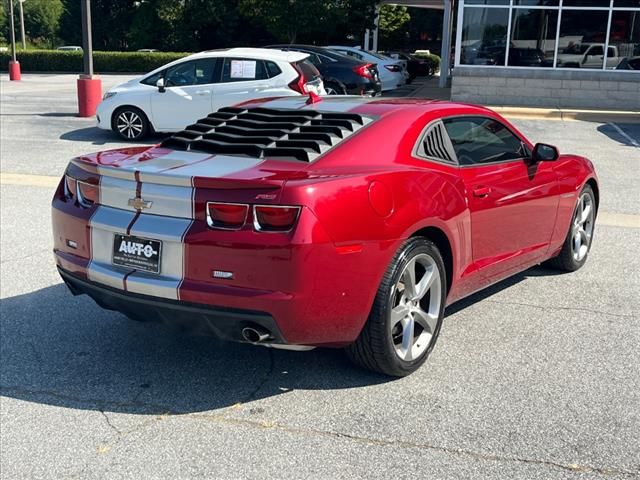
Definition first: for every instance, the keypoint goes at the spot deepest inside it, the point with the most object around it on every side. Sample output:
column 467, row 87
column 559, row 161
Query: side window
column 194, row 72
column 353, row 54
column 153, row 79
column 243, row 70
column 273, row 70
column 482, row 140
column 596, row 50
column 313, row 58
column 611, row 52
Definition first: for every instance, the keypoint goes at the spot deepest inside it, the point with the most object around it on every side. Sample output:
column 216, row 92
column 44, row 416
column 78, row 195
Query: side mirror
column 544, row 153
column 160, row 85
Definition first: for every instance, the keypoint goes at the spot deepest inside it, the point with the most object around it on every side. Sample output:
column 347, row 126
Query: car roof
column 257, row 53
column 326, row 51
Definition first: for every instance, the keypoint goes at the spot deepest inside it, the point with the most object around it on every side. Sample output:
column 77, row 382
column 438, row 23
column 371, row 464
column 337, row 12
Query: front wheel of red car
column 578, row 242
column 407, row 312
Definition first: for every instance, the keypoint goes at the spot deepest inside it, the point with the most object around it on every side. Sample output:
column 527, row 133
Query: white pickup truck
column 588, row 55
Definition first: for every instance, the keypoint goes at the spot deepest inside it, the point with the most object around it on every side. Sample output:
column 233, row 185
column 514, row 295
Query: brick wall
column 614, row 90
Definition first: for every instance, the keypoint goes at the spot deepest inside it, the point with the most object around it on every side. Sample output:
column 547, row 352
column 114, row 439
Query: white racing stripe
column 116, row 192
column 170, row 231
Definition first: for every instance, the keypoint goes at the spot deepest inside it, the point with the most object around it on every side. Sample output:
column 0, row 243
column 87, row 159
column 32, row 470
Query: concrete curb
column 600, row 116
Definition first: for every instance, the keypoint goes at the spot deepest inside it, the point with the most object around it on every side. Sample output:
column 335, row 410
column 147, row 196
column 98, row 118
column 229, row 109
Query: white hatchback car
column 391, row 71
column 179, row 93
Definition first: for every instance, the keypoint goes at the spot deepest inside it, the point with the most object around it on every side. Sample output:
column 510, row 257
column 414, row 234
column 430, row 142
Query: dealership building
column 552, row 53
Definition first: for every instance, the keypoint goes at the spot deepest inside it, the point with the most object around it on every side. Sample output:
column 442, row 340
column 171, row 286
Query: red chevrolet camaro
column 346, row 222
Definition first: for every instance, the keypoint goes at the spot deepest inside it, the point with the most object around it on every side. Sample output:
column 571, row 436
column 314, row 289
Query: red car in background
column 346, row 222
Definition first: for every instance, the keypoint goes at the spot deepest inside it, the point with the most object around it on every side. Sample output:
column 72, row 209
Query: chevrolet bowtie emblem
column 139, row 203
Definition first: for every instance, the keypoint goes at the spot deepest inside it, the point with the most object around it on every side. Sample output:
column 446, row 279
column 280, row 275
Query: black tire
column 375, row 349
column 335, row 87
column 139, row 125
column 566, row 260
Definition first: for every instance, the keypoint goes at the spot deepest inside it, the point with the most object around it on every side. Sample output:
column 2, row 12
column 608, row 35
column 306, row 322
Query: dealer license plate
column 137, row 252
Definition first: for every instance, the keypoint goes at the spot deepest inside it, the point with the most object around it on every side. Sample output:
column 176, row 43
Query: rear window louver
column 265, row 132
column 436, row 143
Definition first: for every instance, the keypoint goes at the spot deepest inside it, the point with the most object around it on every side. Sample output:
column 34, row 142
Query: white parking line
column 625, row 135
column 609, row 219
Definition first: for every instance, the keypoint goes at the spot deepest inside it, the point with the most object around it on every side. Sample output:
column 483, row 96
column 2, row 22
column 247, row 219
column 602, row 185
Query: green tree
column 4, row 23
column 393, row 18
column 41, row 20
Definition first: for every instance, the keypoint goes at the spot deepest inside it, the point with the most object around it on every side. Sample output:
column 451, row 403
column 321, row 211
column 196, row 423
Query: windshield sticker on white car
column 243, row 69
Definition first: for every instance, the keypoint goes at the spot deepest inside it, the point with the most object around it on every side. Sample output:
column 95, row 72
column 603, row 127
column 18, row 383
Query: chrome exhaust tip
column 255, row 334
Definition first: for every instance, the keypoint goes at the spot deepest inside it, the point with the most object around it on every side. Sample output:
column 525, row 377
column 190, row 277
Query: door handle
column 481, row 192
column 203, row 92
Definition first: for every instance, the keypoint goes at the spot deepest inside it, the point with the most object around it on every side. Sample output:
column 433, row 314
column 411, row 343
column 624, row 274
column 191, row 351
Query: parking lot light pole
column 22, row 37
column 14, row 65
column 89, row 85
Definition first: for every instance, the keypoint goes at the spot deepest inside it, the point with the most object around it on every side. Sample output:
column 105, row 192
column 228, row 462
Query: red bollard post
column 14, row 70
column 89, row 95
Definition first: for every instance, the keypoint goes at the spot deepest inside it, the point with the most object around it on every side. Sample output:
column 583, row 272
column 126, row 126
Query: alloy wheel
column 415, row 307
column 582, row 227
column 129, row 124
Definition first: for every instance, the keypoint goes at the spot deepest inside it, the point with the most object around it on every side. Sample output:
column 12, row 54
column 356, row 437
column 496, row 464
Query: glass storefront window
column 537, row 3
column 533, row 37
column 592, row 34
column 582, row 38
column 624, row 40
column 487, row 2
column 484, row 34
column 586, row 3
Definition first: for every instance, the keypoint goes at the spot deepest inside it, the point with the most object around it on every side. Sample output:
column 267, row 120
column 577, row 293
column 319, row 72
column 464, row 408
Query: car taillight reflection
column 227, row 216
column 270, row 218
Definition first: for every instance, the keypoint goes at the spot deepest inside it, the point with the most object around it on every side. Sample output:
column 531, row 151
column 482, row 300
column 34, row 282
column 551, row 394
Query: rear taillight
column 393, row 68
column 269, row 218
column 87, row 194
column 363, row 70
column 69, row 187
column 227, row 216
column 299, row 83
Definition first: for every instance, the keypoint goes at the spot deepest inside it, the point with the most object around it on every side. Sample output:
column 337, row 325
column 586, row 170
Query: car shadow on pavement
column 97, row 136
column 65, row 351
column 538, row 271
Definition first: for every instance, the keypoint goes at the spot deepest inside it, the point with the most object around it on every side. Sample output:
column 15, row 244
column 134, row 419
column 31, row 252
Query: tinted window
column 351, row 54
column 243, row 70
column 482, row 140
column 579, row 29
column 195, row 72
column 533, row 37
column 484, row 32
column 313, row 58
column 273, row 70
column 308, row 70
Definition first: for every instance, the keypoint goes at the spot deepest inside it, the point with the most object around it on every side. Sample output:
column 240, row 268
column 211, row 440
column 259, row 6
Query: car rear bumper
column 224, row 323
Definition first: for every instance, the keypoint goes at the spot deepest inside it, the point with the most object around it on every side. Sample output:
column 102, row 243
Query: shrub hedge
column 103, row 62
column 433, row 60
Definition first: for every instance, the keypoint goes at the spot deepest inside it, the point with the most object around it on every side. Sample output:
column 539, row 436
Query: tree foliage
column 393, row 18
column 194, row 25
column 41, row 19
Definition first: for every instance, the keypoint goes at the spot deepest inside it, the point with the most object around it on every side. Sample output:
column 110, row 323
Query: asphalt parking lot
column 537, row 377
